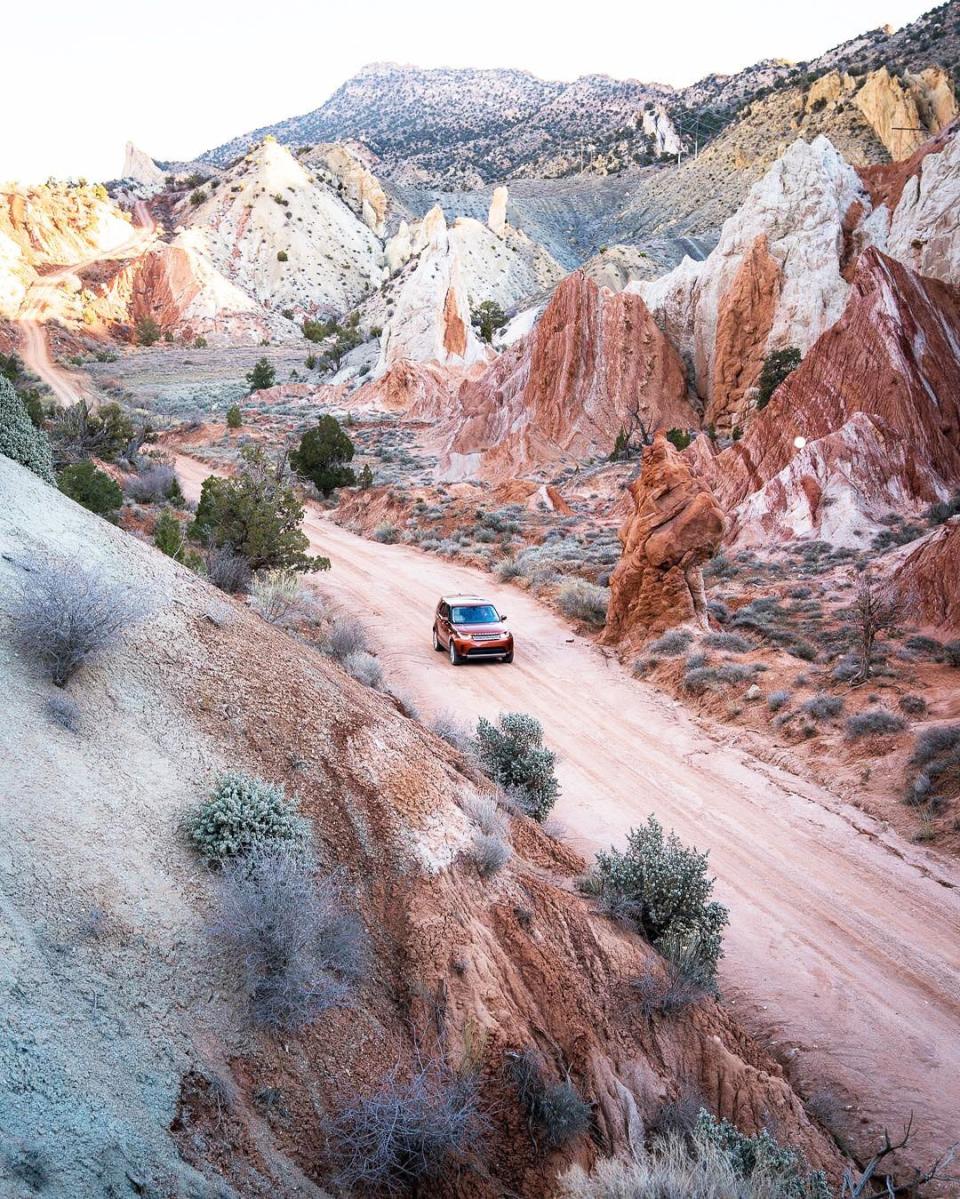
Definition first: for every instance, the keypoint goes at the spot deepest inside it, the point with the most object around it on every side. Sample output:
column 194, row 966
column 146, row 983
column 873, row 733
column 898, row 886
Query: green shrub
column 323, row 454
column 663, row 886
column 776, row 367
column 262, row 375
column 386, row 533
column 282, row 256
column 244, row 814
column 487, row 318
column 168, row 535
column 555, row 1111
column 679, row 438
column 199, row 343
column 148, row 331
column 19, row 439
column 512, row 753
column 197, row 197
column 92, row 488
column 234, row 417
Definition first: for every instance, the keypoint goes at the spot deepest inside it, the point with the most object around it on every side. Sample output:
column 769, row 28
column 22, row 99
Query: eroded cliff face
column 876, row 403
column 594, row 364
column 927, row 581
column 676, row 526
column 905, row 112
column 774, row 280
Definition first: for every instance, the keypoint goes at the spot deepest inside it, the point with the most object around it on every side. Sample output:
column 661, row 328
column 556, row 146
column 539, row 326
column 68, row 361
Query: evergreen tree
column 263, row 375
column 92, row 488
column 19, row 439
column 323, row 455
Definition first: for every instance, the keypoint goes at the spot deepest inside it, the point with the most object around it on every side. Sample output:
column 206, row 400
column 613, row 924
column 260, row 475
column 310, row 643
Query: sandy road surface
column 40, row 301
column 844, row 940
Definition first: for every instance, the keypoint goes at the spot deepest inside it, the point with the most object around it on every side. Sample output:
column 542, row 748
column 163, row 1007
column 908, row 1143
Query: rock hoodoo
column 497, row 218
column 676, row 527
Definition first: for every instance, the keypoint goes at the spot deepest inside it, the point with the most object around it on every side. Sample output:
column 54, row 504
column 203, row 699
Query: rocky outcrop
column 656, row 124
column 924, row 230
column 876, row 406
column 353, row 181
column 774, row 280
column 594, row 364
column 431, row 317
column 927, row 582
column 141, row 168
column 676, row 526
column 904, row 113
column 497, row 217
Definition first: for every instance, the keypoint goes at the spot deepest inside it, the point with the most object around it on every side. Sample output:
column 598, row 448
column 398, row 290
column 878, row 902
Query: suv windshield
column 474, row 614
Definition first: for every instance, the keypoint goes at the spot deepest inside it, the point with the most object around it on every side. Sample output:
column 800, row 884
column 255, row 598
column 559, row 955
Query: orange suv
column 468, row 627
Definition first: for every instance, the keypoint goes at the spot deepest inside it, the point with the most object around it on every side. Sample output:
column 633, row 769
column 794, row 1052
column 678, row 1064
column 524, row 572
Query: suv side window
column 444, row 611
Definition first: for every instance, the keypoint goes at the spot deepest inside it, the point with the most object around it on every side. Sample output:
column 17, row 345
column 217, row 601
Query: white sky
column 179, row 77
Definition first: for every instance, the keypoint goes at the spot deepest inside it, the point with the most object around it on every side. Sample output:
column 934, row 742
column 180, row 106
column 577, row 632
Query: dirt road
column 844, row 940
column 40, row 303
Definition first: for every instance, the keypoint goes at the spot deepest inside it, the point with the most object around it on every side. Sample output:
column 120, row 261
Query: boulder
column 676, row 526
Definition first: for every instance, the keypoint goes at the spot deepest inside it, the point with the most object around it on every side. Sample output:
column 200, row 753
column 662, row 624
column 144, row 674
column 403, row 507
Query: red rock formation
column 876, row 400
column 595, row 363
column 418, row 390
column 885, row 181
column 928, row 581
column 454, row 329
column 746, row 316
column 676, row 527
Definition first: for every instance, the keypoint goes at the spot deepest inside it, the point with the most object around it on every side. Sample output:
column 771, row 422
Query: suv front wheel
column 455, row 659
column 436, row 641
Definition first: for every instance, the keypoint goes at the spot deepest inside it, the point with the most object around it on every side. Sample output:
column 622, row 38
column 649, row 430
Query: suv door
column 443, row 624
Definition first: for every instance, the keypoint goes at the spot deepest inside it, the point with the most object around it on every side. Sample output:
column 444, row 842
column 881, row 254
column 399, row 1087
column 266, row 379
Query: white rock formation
column 140, row 167
column 431, row 319
column 497, row 218
column 399, row 248
column 658, row 126
column 354, row 182
column 924, row 228
column 268, row 206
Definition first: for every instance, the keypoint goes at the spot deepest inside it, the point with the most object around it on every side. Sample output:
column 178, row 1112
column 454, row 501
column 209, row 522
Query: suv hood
column 498, row 627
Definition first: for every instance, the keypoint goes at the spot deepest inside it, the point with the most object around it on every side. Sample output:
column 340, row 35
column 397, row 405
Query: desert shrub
column 19, row 438
column 63, row 711
column 718, row 610
column 662, row 886
column 245, row 814
column 261, row 375
column 776, row 367
column 276, row 593
column 679, row 438
column 485, row 813
column 513, row 754
column 80, row 433
column 700, row 679
column 487, row 318
column 91, row 488
column 148, row 331
column 581, row 600
column 951, row 653
column 823, row 706
column 675, row 981
column 446, row 726
column 673, row 643
column 199, row 343
column 556, row 1112
column 234, row 417
column 227, row 570
column 346, row 637
column 847, row 669
column 153, row 485
column 298, row 949
column 257, row 515
column 732, row 643
column 913, row 705
column 386, row 533
column 365, row 668
column 921, row 644
column 323, row 454
column 777, row 699
column 934, row 767
column 407, row 1133
column 282, row 256
column 874, row 722
column 66, row 612
column 490, row 853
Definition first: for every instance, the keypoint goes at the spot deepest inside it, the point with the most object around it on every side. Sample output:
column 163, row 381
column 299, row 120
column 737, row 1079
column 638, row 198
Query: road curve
column 40, row 301
column 843, row 939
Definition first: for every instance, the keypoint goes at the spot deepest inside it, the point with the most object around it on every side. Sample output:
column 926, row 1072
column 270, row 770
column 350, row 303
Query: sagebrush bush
column 732, row 643
column 673, row 643
column 700, row 679
column 696, row 1166
column 777, row 699
column 346, row 637
column 490, row 852
column 581, row 600
column 407, row 1133
column 365, row 669
column 66, row 611
column 246, row 814
column 297, row 948
column 935, row 767
column 556, row 1112
column 823, row 706
column 446, row 726
column 276, row 594
column 228, row 570
column 677, row 980
column 513, row 754
column 19, row 438
column 153, row 485
column 874, row 722
column 386, row 533
column 913, row 705
column 663, row 886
